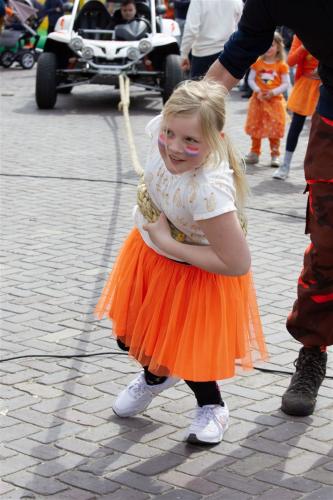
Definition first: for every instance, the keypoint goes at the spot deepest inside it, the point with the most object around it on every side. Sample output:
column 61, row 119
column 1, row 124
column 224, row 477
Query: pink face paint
column 162, row 139
column 192, row 151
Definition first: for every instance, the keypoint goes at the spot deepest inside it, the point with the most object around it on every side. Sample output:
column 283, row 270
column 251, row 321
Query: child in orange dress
column 302, row 100
column 269, row 79
column 187, row 309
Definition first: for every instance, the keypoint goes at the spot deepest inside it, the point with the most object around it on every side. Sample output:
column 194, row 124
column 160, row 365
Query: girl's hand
column 267, row 95
column 159, row 232
column 261, row 95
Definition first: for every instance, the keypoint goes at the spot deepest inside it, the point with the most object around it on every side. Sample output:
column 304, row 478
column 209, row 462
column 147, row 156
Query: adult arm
column 227, row 252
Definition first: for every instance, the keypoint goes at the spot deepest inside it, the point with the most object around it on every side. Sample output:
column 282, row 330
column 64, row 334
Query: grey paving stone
column 196, row 484
column 109, row 463
column 321, row 475
column 38, row 485
column 324, row 493
column 86, row 481
column 126, row 494
column 158, row 464
column 141, row 483
column 33, row 449
column 274, row 477
column 280, row 494
column 237, row 482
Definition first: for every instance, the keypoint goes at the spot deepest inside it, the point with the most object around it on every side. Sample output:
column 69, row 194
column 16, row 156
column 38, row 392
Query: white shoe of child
column 281, row 173
column 251, row 158
column 209, row 424
column 138, row 395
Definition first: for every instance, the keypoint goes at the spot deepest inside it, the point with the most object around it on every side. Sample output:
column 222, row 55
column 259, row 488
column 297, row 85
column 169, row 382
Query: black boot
column 300, row 397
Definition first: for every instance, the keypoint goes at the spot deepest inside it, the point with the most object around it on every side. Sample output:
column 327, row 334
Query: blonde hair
column 207, row 99
column 280, row 53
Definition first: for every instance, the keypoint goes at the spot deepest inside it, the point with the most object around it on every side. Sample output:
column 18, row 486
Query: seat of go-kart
column 93, row 15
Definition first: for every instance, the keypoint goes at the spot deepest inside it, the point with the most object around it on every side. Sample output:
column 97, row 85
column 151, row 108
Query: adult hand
column 159, row 232
column 185, row 64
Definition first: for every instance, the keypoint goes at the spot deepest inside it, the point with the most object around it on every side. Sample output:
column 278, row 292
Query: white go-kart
column 88, row 47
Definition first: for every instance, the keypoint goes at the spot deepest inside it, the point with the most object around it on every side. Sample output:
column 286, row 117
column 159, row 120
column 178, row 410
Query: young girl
column 302, row 100
column 268, row 78
column 187, row 309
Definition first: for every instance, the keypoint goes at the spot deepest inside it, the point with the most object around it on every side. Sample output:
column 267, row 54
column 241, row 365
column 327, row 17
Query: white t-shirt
column 201, row 194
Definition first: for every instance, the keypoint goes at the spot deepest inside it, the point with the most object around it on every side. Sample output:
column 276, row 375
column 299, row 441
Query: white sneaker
column 281, row 173
column 275, row 161
column 209, row 424
column 138, row 395
column 251, row 158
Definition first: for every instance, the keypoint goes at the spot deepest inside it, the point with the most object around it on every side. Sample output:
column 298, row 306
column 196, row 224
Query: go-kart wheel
column 7, row 58
column 27, row 59
column 173, row 75
column 46, row 81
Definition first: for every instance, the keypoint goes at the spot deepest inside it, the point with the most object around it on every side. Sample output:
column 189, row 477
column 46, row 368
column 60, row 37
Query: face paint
column 192, row 151
column 162, row 139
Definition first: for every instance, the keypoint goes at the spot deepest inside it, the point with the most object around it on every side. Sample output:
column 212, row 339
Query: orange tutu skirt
column 266, row 118
column 179, row 320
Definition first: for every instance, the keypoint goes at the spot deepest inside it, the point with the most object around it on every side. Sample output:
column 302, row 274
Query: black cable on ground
column 119, row 353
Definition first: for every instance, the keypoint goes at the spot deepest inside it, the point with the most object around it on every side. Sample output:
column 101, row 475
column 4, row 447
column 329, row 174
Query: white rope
column 124, row 86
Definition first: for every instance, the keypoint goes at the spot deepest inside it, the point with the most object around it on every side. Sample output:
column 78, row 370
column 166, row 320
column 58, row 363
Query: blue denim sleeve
column 242, row 49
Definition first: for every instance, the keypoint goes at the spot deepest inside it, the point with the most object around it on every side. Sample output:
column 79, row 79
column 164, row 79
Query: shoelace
column 205, row 414
column 138, row 388
column 312, row 372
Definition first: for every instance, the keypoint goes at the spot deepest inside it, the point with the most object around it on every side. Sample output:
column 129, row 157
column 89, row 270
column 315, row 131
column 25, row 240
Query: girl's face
column 272, row 51
column 181, row 144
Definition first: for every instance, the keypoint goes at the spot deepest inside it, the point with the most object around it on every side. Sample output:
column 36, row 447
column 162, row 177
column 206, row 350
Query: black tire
column 173, row 75
column 46, row 81
column 27, row 59
column 7, row 58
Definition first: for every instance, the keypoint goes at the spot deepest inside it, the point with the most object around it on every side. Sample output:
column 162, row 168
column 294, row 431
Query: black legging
column 206, row 393
column 296, row 126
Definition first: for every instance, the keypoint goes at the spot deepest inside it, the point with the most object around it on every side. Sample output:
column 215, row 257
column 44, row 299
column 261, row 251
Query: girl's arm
column 251, row 81
column 227, row 252
column 297, row 52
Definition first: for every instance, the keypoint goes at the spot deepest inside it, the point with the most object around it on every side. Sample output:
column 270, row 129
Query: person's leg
column 140, row 392
column 275, row 152
column 311, row 319
column 296, row 127
column 212, row 414
column 253, row 156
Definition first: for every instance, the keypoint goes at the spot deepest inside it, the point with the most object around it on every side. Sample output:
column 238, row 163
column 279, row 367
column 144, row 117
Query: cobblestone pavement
column 67, row 193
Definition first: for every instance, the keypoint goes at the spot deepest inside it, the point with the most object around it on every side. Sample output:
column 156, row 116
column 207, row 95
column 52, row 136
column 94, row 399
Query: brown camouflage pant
column 311, row 320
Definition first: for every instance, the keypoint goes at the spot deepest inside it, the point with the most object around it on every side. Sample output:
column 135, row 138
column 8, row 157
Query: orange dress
column 305, row 92
column 267, row 118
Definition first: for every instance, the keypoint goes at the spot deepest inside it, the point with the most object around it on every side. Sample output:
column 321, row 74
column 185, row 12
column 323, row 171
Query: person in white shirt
column 208, row 25
column 185, row 308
